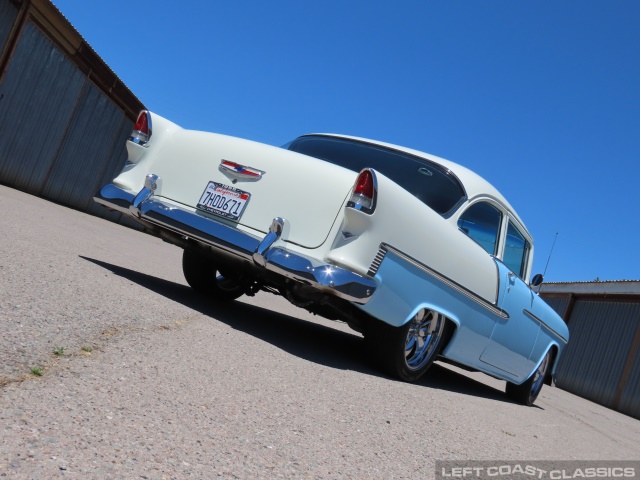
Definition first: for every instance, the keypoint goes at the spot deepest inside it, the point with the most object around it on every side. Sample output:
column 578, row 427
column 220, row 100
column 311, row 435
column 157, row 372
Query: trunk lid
column 308, row 192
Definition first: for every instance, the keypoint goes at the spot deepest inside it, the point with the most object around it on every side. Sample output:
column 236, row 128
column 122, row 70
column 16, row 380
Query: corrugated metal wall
column 61, row 136
column 96, row 133
column 8, row 15
column 601, row 360
column 630, row 398
column 40, row 91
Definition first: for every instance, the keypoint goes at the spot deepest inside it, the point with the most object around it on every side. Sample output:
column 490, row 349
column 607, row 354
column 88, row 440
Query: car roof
column 474, row 184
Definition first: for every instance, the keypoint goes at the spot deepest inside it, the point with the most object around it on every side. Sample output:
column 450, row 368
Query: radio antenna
column 548, row 259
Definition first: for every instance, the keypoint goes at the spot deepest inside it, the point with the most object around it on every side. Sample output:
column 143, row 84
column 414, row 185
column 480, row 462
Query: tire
column 203, row 275
column 527, row 392
column 408, row 351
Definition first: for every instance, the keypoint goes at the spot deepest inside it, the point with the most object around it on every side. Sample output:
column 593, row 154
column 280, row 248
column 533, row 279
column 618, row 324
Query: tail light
column 142, row 130
column 364, row 193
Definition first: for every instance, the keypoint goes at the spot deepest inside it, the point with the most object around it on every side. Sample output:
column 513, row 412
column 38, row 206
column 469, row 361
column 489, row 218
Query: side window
column 481, row 222
column 516, row 251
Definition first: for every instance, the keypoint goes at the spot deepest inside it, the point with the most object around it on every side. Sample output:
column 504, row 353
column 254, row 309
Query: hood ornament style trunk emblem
column 235, row 171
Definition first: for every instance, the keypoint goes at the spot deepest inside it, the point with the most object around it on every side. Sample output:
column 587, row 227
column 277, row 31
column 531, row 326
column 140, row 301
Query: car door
column 513, row 338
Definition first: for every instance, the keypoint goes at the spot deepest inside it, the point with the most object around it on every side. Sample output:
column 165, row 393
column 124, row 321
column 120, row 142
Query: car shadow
column 313, row 342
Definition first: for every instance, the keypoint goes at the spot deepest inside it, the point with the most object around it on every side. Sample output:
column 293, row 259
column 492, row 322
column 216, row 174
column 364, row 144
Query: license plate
column 225, row 201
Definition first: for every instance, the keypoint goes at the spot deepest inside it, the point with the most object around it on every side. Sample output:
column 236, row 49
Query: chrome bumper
column 145, row 206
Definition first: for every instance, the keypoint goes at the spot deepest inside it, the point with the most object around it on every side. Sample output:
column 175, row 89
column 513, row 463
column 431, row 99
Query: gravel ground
column 176, row 387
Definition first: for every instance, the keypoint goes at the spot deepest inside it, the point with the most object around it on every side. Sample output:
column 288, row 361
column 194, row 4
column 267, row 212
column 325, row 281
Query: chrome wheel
column 407, row 351
column 527, row 392
column 423, row 335
column 538, row 379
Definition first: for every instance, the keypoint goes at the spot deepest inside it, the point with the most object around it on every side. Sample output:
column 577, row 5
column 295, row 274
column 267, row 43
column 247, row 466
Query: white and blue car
column 422, row 256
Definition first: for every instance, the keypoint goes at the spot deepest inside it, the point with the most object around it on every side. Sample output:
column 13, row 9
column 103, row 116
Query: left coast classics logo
column 537, row 470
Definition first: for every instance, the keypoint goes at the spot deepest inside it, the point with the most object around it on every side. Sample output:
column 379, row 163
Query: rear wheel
column 408, row 351
column 527, row 392
column 204, row 276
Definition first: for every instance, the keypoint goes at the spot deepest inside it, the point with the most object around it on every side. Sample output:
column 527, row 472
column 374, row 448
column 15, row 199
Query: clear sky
column 542, row 98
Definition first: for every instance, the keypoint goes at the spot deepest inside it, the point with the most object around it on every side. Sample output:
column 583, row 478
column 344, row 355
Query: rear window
column 429, row 182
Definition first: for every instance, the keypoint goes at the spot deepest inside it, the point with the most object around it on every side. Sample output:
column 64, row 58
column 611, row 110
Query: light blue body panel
column 512, row 339
column 507, row 340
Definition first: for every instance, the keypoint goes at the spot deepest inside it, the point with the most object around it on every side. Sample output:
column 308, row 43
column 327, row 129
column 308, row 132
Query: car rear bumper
column 262, row 252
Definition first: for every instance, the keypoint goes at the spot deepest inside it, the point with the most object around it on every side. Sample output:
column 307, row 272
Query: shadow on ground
column 304, row 339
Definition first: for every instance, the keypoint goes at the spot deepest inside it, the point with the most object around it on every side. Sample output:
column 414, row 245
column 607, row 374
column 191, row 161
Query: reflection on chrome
column 266, row 252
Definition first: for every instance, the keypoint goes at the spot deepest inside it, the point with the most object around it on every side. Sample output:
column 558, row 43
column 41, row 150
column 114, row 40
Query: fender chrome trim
column 543, row 324
column 384, row 248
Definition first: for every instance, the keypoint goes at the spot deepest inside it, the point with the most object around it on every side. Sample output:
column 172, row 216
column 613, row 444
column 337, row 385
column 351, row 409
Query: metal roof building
column 602, row 360
column 64, row 114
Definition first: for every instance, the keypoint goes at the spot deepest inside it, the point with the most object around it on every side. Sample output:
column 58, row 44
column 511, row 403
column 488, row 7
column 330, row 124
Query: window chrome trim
column 524, row 259
column 384, row 248
column 498, row 237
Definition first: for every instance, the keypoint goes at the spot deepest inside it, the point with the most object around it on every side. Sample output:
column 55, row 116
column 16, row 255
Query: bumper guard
column 145, row 206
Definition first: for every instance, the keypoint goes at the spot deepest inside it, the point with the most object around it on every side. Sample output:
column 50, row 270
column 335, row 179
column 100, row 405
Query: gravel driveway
column 150, row 381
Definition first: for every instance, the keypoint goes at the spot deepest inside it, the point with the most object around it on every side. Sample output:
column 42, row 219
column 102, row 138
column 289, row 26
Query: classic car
column 422, row 256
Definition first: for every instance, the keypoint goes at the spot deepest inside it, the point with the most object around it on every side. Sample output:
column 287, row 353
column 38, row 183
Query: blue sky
column 541, row 98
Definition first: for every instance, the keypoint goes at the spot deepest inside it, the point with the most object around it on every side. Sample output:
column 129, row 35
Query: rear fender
column 140, row 157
